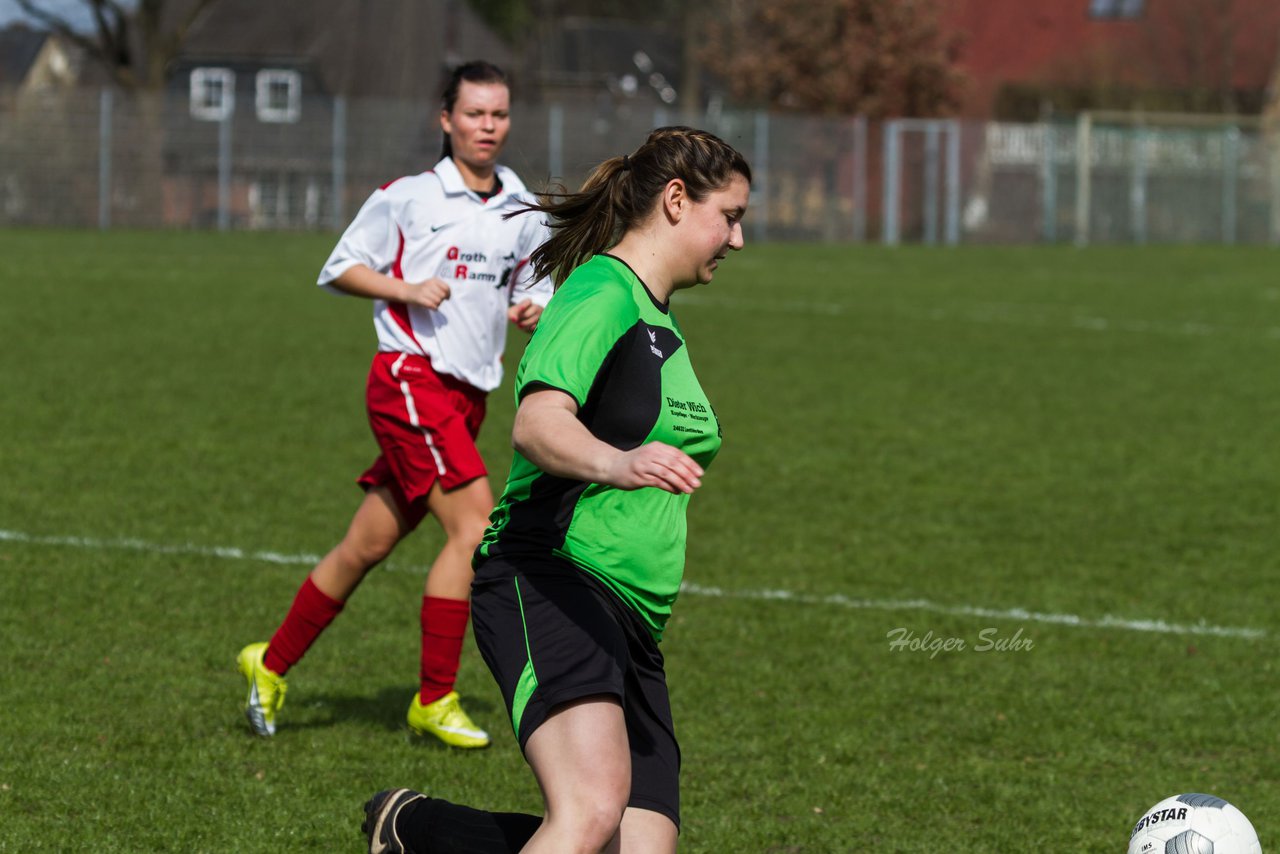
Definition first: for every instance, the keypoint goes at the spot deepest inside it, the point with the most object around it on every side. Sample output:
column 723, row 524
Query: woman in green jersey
column 584, row 554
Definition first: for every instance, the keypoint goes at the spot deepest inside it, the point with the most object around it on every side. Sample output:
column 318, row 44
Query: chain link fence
column 105, row 160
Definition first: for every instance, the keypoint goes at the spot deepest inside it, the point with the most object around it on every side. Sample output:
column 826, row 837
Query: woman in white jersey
column 446, row 269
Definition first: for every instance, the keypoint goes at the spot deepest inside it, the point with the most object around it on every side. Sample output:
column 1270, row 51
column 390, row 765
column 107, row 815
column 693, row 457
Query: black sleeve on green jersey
column 537, row 385
column 625, row 397
column 625, row 400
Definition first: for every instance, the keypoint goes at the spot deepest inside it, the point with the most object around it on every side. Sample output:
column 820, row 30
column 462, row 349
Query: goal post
column 936, row 133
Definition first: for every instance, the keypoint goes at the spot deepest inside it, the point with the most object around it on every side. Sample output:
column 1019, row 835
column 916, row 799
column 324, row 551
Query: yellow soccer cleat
column 266, row 689
column 446, row 720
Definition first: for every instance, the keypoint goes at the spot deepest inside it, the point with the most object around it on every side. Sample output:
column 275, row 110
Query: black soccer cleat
column 379, row 824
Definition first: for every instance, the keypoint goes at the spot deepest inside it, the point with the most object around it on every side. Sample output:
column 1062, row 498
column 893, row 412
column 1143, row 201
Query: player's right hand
column 655, row 464
column 428, row 294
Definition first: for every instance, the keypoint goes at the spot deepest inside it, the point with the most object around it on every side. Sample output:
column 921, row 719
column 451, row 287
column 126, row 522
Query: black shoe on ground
column 380, row 814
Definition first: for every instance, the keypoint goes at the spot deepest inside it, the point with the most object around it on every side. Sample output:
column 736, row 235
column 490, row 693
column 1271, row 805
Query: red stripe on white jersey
column 515, row 277
column 399, row 310
column 401, row 178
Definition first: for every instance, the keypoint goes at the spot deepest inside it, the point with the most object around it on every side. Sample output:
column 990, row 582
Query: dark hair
column 477, row 71
column 622, row 191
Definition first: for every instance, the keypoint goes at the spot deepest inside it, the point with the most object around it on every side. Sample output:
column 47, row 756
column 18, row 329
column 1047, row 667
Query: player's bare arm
column 366, row 282
column 548, row 433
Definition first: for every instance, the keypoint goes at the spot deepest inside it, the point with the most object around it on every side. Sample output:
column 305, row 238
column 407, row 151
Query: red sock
column 444, row 625
column 311, row 613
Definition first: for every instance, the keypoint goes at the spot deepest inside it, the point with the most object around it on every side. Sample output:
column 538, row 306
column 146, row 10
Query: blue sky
column 76, row 11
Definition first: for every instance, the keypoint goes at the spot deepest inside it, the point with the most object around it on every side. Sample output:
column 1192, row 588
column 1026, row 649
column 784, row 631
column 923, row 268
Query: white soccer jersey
column 431, row 225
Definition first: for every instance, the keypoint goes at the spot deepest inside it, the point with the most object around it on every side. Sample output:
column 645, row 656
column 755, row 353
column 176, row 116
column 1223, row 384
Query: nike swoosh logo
column 436, row 228
column 254, row 712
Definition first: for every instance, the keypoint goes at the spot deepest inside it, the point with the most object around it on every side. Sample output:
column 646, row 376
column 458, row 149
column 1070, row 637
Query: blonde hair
column 622, row 191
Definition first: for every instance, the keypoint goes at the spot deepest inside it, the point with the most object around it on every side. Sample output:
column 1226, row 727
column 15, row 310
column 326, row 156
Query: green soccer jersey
column 605, row 341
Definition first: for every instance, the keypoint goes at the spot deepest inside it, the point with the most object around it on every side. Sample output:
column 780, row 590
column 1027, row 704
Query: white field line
column 837, row 600
column 1021, row 614
column 127, row 544
column 1045, row 317
column 995, row 313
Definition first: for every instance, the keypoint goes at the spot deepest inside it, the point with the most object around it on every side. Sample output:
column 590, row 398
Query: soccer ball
column 1193, row 824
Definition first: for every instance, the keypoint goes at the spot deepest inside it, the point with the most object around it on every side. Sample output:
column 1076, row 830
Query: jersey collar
column 664, row 307
column 451, row 180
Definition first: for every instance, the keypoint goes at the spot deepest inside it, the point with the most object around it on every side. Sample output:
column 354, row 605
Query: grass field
column 1075, row 453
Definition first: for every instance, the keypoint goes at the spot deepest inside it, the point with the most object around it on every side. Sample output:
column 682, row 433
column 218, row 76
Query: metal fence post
column 104, row 159
column 1049, row 185
column 338, row 214
column 931, row 175
column 1230, row 177
column 889, row 200
column 761, row 170
column 953, row 183
column 1084, row 132
column 1273, row 181
column 1138, row 187
column 555, row 142
column 224, row 172
column 860, row 179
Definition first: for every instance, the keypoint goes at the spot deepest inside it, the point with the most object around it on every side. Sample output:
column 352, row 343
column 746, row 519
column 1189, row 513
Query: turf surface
column 1073, row 453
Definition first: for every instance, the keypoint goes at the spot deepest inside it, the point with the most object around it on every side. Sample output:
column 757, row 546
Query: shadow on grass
column 385, row 710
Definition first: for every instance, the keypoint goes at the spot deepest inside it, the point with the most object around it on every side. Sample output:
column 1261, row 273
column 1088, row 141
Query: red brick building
column 1023, row 56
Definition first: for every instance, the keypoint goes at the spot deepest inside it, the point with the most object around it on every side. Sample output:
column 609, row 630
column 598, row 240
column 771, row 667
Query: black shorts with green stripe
column 552, row 634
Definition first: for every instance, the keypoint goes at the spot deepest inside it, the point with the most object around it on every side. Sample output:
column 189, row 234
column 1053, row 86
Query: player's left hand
column 525, row 315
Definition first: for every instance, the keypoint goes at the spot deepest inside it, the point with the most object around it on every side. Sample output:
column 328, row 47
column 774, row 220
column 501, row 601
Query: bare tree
column 1196, row 44
column 874, row 57
column 134, row 43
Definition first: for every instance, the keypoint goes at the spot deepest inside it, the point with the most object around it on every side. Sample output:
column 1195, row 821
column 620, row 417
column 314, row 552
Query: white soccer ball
column 1193, row 824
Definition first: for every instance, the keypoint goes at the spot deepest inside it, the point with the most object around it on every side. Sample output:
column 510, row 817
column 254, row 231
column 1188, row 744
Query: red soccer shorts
column 426, row 425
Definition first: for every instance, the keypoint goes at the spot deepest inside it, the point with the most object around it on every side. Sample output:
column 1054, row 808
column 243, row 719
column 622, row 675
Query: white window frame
column 200, row 80
column 268, row 112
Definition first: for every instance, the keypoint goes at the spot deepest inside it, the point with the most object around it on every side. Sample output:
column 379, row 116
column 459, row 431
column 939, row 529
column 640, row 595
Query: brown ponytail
column 622, row 191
